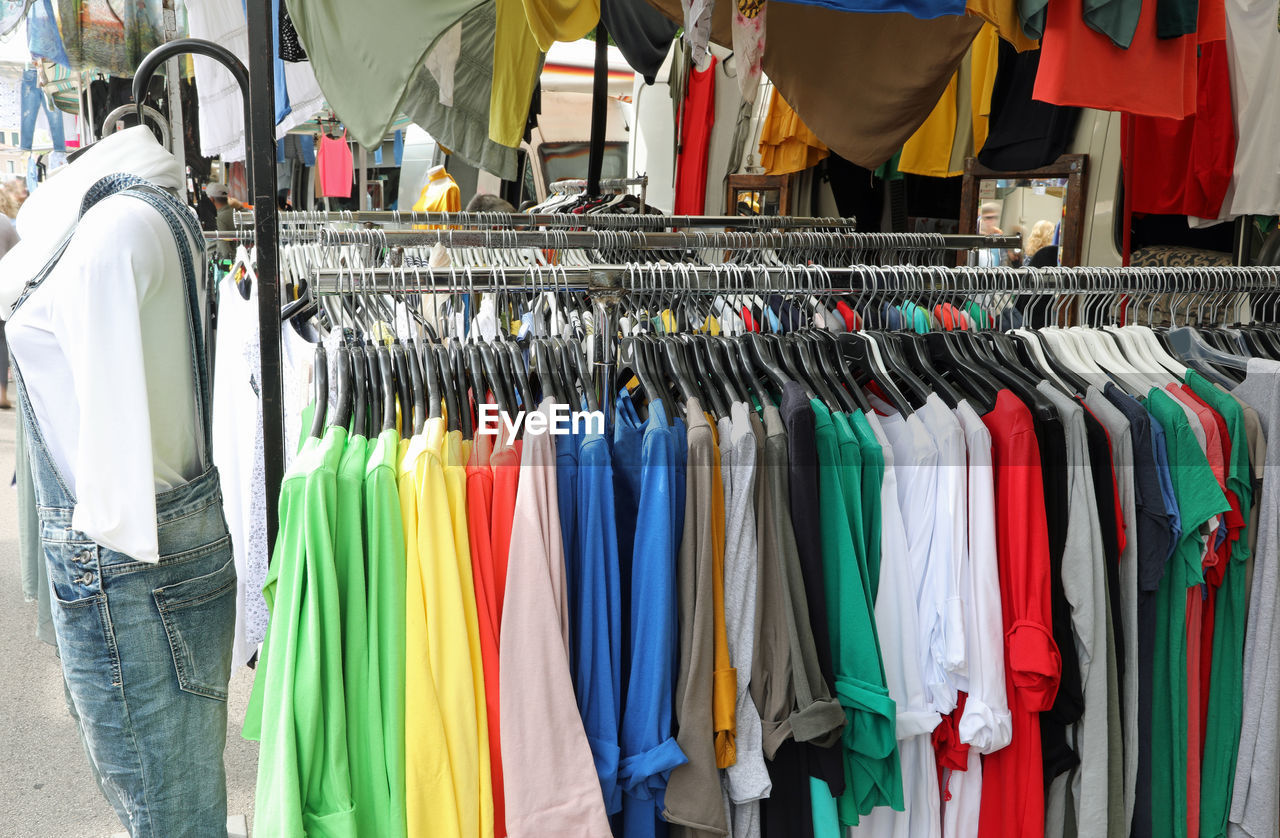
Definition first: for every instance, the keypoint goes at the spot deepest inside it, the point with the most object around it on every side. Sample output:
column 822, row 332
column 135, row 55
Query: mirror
column 1044, row 206
column 757, row 195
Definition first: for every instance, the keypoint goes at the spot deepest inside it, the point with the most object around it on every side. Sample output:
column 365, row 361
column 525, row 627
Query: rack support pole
column 260, row 140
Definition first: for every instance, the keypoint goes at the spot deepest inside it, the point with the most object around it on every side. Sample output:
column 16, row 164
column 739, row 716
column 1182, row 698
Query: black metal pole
column 260, row 139
column 599, row 110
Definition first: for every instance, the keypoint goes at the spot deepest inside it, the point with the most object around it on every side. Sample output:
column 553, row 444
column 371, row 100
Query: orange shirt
column 479, row 515
column 1082, row 68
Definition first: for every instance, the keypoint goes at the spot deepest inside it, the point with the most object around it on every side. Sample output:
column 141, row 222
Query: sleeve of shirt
column 100, row 330
column 1034, row 660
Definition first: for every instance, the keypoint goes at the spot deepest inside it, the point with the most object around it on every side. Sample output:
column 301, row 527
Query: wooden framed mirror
column 1045, row 206
column 758, row 195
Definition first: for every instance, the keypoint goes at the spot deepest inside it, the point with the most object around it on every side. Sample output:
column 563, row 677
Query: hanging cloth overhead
column 560, row 20
column 516, row 65
column 641, row 32
column 1003, row 15
column 786, row 143
column 829, row 64
column 1083, row 68
column 464, row 126
column 1183, row 166
column 221, row 106
column 697, row 118
column 114, row 42
column 957, row 128
column 1023, row 133
column 354, row 52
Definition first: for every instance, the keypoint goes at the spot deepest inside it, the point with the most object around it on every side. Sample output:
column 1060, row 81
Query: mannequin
column 102, row 301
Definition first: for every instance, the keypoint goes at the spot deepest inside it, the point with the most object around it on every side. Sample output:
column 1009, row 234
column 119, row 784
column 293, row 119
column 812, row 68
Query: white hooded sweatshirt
column 103, row 344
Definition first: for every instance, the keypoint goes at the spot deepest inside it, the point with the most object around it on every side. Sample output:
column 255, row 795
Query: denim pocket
column 199, row 617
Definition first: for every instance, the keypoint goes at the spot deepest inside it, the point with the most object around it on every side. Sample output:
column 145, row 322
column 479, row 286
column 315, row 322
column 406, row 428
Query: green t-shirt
column 1226, row 674
column 873, row 771
column 385, row 571
column 364, row 713
column 1199, row 499
column 297, row 710
column 872, row 481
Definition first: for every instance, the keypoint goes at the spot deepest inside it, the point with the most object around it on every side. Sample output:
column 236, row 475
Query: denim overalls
column 146, row 648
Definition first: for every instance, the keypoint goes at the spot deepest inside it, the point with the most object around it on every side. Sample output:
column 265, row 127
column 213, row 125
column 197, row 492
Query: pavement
column 46, row 788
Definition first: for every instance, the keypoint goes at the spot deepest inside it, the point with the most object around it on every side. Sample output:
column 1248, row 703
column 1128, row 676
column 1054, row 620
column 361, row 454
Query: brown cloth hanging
column 863, row 83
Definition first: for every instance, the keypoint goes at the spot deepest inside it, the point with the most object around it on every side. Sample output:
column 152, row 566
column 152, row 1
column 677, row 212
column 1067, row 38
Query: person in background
column 282, row 200
column 9, row 205
column 1040, row 252
column 489, row 203
column 989, row 225
column 217, row 193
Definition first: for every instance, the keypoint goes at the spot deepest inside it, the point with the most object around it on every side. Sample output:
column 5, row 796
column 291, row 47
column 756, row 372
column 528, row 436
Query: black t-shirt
column 802, row 467
column 642, row 33
column 1068, row 706
column 1023, row 133
column 1155, row 540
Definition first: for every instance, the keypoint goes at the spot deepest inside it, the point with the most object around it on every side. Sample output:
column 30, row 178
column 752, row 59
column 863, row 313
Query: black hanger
column 838, row 369
column 387, row 367
column 755, row 354
column 499, row 385
column 980, row 388
column 548, row 382
column 803, row 341
column 725, row 370
column 676, row 367
column 412, row 360
column 1015, row 379
column 360, row 376
column 513, row 362
column 322, row 393
column 403, row 386
column 376, row 393
column 453, row 409
column 435, row 399
column 917, row 354
column 715, row 380
column 467, row 418
column 475, row 372
column 576, row 360
column 855, row 349
column 346, row 391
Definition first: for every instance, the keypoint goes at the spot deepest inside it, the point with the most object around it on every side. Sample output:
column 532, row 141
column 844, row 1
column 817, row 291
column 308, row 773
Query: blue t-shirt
column 649, row 749
column 567, row 496
column 923, row 9
column 596, row 638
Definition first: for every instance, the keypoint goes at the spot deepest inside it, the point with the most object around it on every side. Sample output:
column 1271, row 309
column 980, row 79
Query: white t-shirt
column 104, row 347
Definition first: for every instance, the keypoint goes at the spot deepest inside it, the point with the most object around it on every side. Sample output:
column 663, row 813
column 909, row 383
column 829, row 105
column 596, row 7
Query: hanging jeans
column 146, row 648
column 33, row 104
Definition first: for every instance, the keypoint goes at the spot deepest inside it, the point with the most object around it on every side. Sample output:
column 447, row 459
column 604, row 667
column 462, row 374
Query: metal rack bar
column 555, row 219
column 633, row 240
column 720, row 278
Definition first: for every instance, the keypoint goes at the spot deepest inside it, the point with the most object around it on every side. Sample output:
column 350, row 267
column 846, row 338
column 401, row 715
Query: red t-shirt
column 697, row 117
column 1013, row 777
column 1083, row 68
column 1184, row 166
column 479, row 509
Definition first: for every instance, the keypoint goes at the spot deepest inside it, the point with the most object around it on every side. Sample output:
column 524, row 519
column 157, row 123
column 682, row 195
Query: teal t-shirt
column 1199, row 499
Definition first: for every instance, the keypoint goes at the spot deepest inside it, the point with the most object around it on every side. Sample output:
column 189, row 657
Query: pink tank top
column 334, row 164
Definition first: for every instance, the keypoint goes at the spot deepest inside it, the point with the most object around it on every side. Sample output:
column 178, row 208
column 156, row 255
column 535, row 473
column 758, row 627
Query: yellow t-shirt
column 560, row 20
column 447, row 644
column 516, row 62
column 455, row 451
column 431, row 806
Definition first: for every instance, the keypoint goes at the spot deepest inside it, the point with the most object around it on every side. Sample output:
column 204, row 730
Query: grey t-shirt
column 1084, row 582
column 1255, row 804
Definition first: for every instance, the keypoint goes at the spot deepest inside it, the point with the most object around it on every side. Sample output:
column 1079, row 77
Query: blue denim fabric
column 146, row 648
column 33, row 104
column 280, row 86
column 308, row 144
column 43, row 40
column 398, row 146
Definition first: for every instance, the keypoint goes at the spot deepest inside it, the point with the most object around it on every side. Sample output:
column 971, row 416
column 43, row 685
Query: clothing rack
column 631, row 240
column 606, row 184
column 730, row 279
column 553, row 219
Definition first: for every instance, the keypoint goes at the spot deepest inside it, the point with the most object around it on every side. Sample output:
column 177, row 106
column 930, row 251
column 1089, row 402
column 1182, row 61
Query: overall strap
column 185, row 229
